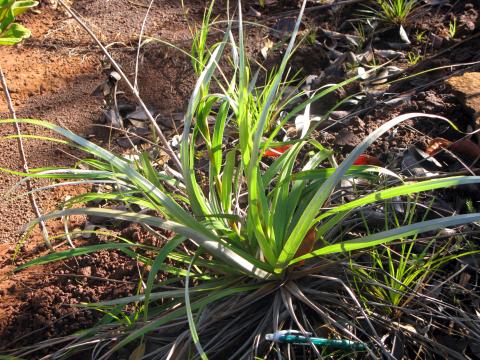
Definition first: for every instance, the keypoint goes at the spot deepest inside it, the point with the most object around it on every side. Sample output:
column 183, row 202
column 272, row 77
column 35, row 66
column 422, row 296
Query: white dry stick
column 134, row 91
column 142, row 30
column 31, row 195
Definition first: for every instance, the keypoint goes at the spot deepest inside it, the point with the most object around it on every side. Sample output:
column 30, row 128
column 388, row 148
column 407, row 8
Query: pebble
column 466, row 88
column 346, row 138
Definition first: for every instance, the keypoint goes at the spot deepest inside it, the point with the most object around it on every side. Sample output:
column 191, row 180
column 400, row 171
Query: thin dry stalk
column 139, row 46
column 23, row 158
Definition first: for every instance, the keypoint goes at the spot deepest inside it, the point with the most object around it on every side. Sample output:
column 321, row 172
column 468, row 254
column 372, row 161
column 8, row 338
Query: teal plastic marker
column 298, row 338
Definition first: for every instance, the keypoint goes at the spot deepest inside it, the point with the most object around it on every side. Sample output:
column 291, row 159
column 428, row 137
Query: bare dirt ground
column 51, row 76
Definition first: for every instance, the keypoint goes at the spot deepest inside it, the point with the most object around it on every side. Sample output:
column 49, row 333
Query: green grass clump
column 395, row 12
column 240, row 225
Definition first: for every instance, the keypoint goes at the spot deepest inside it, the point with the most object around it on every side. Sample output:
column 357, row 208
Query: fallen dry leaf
column 266, row 48
column 367, row 160
column 307, row 245
column 463, row 147
column 276, row 151
column 436, row 145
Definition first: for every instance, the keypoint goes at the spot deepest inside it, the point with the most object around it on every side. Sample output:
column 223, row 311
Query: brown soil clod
column 467, row 87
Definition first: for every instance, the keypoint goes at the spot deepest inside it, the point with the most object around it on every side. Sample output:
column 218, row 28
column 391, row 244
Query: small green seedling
column 12, row 33
column 452, row 28
column 397, row 273
column 413, row 58
column 420, row 36
column 311, row 37
column 392, row 11
column 362, row 34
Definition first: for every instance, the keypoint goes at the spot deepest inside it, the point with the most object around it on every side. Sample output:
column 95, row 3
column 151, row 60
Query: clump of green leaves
column 413, row 58
column 362, row 36
column 393, row 11
column 199, row 50
column 452, row 28
column 396, row 273
column 240, row 225
column 12, row 33
column 420, row 36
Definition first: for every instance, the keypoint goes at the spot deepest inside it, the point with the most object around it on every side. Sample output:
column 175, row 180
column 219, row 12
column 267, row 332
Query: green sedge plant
column 361, row 32
column 396, row 12
column 413, row 58
column 452, row 28
column 399, row 283
column 239, row 260
column 199, row 52
column 395, row 274
column 420, row 36
column 12, row 33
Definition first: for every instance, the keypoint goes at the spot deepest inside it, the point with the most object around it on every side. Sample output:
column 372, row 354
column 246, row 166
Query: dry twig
column 134, row 91
column 21, row 150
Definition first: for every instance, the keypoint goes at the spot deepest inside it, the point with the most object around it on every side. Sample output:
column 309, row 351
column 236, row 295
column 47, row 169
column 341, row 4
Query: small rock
column 85, row 271
column 172, row 121
column 339, row 114
column 139, row 114
column 411, row 165
column 111, row 117
column 466, row 87
column 142, row 124
column 389, row 54
column 347, row 139
column 283, row 27
column 96, row 220
column 88, row 230
column 434, row 102
column 128, row 142
column 436, row 41
column 139, row 131
column 358, row 122
column 125, row 108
